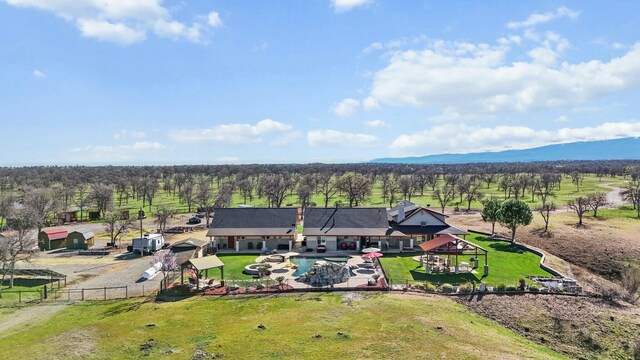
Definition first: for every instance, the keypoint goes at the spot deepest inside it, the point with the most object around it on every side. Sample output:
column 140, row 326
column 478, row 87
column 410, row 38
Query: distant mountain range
column 618, row 149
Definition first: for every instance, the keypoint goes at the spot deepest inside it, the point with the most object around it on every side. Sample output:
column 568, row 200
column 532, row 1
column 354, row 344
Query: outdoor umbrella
column 371, row 250
column 372, row 255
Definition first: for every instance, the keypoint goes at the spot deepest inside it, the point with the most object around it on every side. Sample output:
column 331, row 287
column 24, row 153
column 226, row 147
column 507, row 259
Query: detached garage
column 52, row 238
column 80, row 239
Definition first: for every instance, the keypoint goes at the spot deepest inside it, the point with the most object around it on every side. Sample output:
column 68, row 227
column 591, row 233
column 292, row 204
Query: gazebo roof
column 445, row 239
column 207, row 262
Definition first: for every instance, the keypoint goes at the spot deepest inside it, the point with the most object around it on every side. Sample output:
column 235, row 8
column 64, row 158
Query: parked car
column 195, row 220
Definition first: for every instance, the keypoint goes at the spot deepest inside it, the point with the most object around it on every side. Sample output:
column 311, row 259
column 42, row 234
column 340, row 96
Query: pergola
column 451, row 245
column 203, row 264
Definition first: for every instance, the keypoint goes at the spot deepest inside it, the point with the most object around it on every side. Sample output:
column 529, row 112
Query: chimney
column 400, row 216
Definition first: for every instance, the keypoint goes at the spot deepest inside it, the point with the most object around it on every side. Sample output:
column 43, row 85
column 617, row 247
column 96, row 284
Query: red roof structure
column 56, row 233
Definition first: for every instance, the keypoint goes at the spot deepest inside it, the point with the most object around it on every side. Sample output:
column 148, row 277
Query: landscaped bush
column 501, row 287
column 511, row 288
column 429, row 287
column 522, row 284
column 466, row 288
column 446, row 288
column 534, row 287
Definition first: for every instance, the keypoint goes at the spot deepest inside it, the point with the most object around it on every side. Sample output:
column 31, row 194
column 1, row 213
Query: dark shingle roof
column 254, row 222
column 429, row 229
column 345, row 221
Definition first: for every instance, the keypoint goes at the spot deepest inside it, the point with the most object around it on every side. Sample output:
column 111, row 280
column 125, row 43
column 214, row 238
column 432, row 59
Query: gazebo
column 452, row 246
column 202, row 264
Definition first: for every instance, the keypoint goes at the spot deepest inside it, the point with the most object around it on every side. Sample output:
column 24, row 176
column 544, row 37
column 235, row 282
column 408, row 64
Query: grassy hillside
column 353, row 326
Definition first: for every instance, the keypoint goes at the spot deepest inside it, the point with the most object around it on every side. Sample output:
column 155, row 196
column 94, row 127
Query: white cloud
column 474, row 78
column 377, row 124
column 129, row 134
column 118, row 33
column 562, row 119
column 122, row 21
column 346, row 5
column 213, row 19
column 540, row 18
column 339, row 138
column 233, row 133
column 394, row 44
column 346, row 107
column 462, row 138
column 39, row 74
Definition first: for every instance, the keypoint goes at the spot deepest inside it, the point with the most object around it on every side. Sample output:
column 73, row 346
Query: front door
column 231, row 242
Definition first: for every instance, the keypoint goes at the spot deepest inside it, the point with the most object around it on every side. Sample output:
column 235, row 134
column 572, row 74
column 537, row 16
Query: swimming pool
column 305, row 263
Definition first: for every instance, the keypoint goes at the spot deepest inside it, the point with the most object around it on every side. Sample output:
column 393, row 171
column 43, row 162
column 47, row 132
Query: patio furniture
column 343, row 246
column 322, row 248
column 352, row 246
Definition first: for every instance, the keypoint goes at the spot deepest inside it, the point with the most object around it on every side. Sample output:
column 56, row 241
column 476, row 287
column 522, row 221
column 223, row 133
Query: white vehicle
column 148, row 244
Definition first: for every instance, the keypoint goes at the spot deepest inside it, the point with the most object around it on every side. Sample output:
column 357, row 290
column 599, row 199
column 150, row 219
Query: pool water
column 305, row 263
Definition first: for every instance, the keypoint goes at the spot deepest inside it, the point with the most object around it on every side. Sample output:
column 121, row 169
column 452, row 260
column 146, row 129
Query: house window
column 322, row 240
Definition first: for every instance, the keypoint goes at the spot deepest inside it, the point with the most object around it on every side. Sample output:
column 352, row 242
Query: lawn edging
column 534, row 250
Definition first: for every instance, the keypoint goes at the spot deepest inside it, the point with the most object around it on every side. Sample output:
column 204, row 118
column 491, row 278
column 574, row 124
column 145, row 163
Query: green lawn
column 365, row 326
column 234, row 265
column 506, row 266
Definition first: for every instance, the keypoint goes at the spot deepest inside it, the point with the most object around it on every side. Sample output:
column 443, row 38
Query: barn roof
column 86, row 233
column 55, row 233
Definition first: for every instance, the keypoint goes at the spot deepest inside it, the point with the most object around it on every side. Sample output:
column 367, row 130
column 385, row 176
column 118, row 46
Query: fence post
column 126, row 291
column 19, row 296
column 105, row 293
column 82, row 294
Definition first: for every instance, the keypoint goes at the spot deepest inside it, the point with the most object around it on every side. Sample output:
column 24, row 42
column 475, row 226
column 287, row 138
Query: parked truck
column 148, row 244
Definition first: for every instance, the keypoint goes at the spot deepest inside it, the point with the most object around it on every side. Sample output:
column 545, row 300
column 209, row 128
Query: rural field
column 348, row 325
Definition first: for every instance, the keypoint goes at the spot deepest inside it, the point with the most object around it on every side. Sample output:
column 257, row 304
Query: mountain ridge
column 627, row 148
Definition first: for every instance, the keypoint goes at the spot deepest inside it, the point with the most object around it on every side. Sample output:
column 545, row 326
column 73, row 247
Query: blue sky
column 176, row 82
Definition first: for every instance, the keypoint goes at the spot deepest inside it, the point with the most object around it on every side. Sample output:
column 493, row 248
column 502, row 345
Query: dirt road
column 613, row 196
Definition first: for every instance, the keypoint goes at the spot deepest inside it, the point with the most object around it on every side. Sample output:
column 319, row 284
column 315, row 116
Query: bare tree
column 304, row 195
column 18, row 243
column 580, row 205
column 246, row 189
column 545, row 211
column 6, row 204
column 82, row 199
column 596, row 201
column 328, row 186
column 162, row 215
column 42, row 203
column 471, row 191
column 355, row 186
column 204, row 199
column 116, row 227
column 576, row 179
column 186, row 194
column 407, row 186
column 102, row 197
column 275, row 188
column 224, row 195
column 444, row 195
column 391, row 188
column 631, row 193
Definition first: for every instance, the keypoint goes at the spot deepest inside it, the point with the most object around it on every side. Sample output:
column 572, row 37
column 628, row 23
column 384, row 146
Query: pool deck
column 363, row 272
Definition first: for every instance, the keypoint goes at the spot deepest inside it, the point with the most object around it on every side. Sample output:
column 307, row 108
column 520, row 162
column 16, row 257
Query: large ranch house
column 402, row 228
column 254, row 229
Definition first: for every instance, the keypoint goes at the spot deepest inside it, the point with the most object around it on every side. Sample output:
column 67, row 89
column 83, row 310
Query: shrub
column 466, row 288
column 534, row 287
column 446, row 288
column 522, row 284
column 375, row 276
column 429, row 287
column 280, row 279
column 511, row 288
column 501, row 287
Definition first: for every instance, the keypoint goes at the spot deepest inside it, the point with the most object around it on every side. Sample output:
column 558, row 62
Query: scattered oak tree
column 444, row 195
column 116, row 227
column 162, row 215
column 596, row 201
column 545, row 211
column 580, row 205
column 18, row 243
column 513, row 214
column 490, row 212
